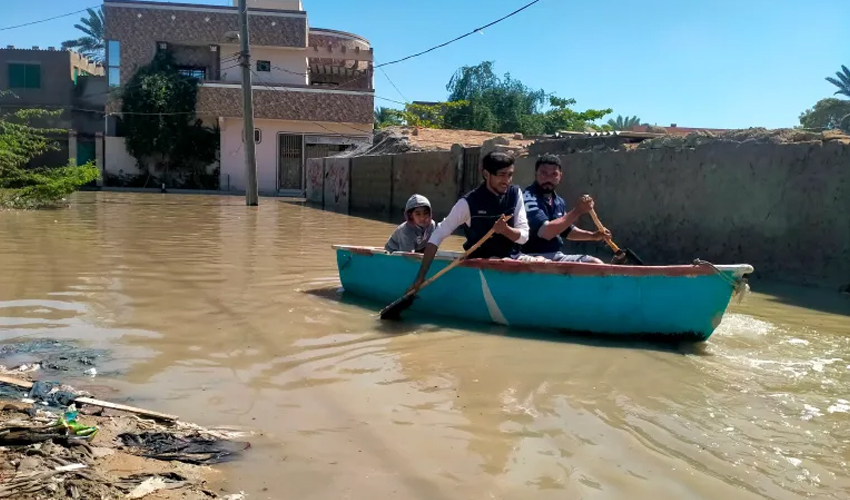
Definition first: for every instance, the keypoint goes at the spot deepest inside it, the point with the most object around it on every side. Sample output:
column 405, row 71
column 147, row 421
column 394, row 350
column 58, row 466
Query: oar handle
column 448, row 268
column 600, row 227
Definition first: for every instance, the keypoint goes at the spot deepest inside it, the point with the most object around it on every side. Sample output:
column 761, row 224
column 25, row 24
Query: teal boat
column 685, row 301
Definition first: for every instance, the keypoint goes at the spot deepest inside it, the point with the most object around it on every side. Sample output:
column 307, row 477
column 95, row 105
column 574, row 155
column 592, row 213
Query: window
column 193, row 72
column 24, row 76
column 264, row 65
column 113, row 61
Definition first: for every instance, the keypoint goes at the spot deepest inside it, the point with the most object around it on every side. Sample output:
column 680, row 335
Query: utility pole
column 251, row 196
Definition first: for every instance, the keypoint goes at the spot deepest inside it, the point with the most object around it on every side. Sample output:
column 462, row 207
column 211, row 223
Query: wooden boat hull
column 663, row 301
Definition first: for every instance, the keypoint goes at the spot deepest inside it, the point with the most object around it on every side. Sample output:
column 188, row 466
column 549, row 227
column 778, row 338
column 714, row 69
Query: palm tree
column 385, row 117
column 842, row 81
column 92, row 44
column 624, row 123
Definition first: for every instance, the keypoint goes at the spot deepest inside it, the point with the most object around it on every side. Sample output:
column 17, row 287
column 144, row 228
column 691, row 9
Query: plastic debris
column 153, row 483
column 192, row 449
column 51, row 394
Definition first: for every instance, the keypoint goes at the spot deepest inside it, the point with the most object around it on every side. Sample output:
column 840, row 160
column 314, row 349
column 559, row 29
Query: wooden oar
column 620, row 255
column 394, row 310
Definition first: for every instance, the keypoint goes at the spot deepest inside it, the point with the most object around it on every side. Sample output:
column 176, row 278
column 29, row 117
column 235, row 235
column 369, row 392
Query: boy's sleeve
column 392, row 243
column 536, row 217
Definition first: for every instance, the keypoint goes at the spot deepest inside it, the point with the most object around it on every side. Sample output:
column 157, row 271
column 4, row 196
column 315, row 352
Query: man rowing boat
column 481, row 210
column 549, row 219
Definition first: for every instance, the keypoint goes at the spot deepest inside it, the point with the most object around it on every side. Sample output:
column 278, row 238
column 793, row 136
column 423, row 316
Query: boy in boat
column 481, row 210
column 548, row 218
column 413, row 234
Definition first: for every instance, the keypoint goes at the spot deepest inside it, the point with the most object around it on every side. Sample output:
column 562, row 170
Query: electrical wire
column 476, row 30
column 406, row 100
column 48, row 19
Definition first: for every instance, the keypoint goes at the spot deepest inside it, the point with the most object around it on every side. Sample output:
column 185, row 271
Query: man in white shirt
column 481, row 210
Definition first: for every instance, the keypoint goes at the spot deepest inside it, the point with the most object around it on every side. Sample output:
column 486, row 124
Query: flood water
column 225, row 314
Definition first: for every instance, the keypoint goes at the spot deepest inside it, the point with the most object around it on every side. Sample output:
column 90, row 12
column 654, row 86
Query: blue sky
column 697, row 63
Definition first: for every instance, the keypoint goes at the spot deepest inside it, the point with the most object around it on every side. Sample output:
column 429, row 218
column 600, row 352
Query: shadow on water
column 416, row 322
column 826, row 300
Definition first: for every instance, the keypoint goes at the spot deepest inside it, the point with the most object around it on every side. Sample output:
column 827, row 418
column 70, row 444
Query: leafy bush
column 20, row 143
column 44, row 187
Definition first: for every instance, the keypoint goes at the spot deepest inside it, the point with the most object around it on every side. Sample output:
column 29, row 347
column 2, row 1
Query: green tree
column 507, row 105
column 92, row 44
column 429, row 115
column 624, row 123
column 161, row 129
column 20, row 143
column 387, row 117
column 494, row 104
column 829, row 113
column 842, row 81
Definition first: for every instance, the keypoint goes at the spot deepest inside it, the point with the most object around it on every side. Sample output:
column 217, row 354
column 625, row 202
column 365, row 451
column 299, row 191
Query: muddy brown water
column 228, row 315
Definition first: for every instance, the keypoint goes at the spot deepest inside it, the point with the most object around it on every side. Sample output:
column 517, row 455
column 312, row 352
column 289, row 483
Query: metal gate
column 291, row 164
column 86, row 151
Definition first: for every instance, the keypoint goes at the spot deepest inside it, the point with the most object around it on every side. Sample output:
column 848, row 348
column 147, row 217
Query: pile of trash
column 43, row 455
column 58, row 442
column 384, row 142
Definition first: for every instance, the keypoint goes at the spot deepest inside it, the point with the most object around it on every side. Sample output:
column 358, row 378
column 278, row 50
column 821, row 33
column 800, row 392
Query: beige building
column 313, row 88
column 56, row 80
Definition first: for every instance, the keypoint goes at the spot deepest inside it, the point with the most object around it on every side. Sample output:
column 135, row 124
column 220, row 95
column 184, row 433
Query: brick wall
column 138, row 26
column 289, row 105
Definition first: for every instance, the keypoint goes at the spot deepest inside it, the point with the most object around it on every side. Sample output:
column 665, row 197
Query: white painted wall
column 289, row 66
column 116, row 159
column 233, row 151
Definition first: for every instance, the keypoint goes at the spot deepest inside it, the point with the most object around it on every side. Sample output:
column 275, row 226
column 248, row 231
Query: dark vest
column 484, row 208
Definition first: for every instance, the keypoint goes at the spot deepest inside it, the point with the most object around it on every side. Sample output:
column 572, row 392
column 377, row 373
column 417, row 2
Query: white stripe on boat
column 495, row 313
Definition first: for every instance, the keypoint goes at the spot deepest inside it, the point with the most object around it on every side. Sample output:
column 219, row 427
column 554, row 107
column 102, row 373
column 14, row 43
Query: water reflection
column 227, row 314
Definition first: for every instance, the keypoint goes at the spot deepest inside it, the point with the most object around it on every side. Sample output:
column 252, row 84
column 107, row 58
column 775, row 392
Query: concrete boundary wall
column 382, row 184
column 372, row 183
column 315, row 175
column 337, row 183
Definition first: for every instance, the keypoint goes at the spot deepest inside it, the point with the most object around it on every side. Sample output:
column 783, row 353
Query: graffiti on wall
column 315, row 180
column 336, row 182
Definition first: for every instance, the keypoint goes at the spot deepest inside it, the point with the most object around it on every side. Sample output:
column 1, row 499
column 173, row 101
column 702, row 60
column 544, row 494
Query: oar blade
column 634, row 258
column 394, row 310
column 626, row 257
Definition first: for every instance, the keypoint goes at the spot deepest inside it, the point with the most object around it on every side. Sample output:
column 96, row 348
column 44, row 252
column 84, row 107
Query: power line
column 48, row 19
column 390, row 100
column 476, row 30
column 394, row 85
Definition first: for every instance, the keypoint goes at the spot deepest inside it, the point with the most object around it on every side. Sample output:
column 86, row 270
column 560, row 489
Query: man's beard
column 547, row 188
